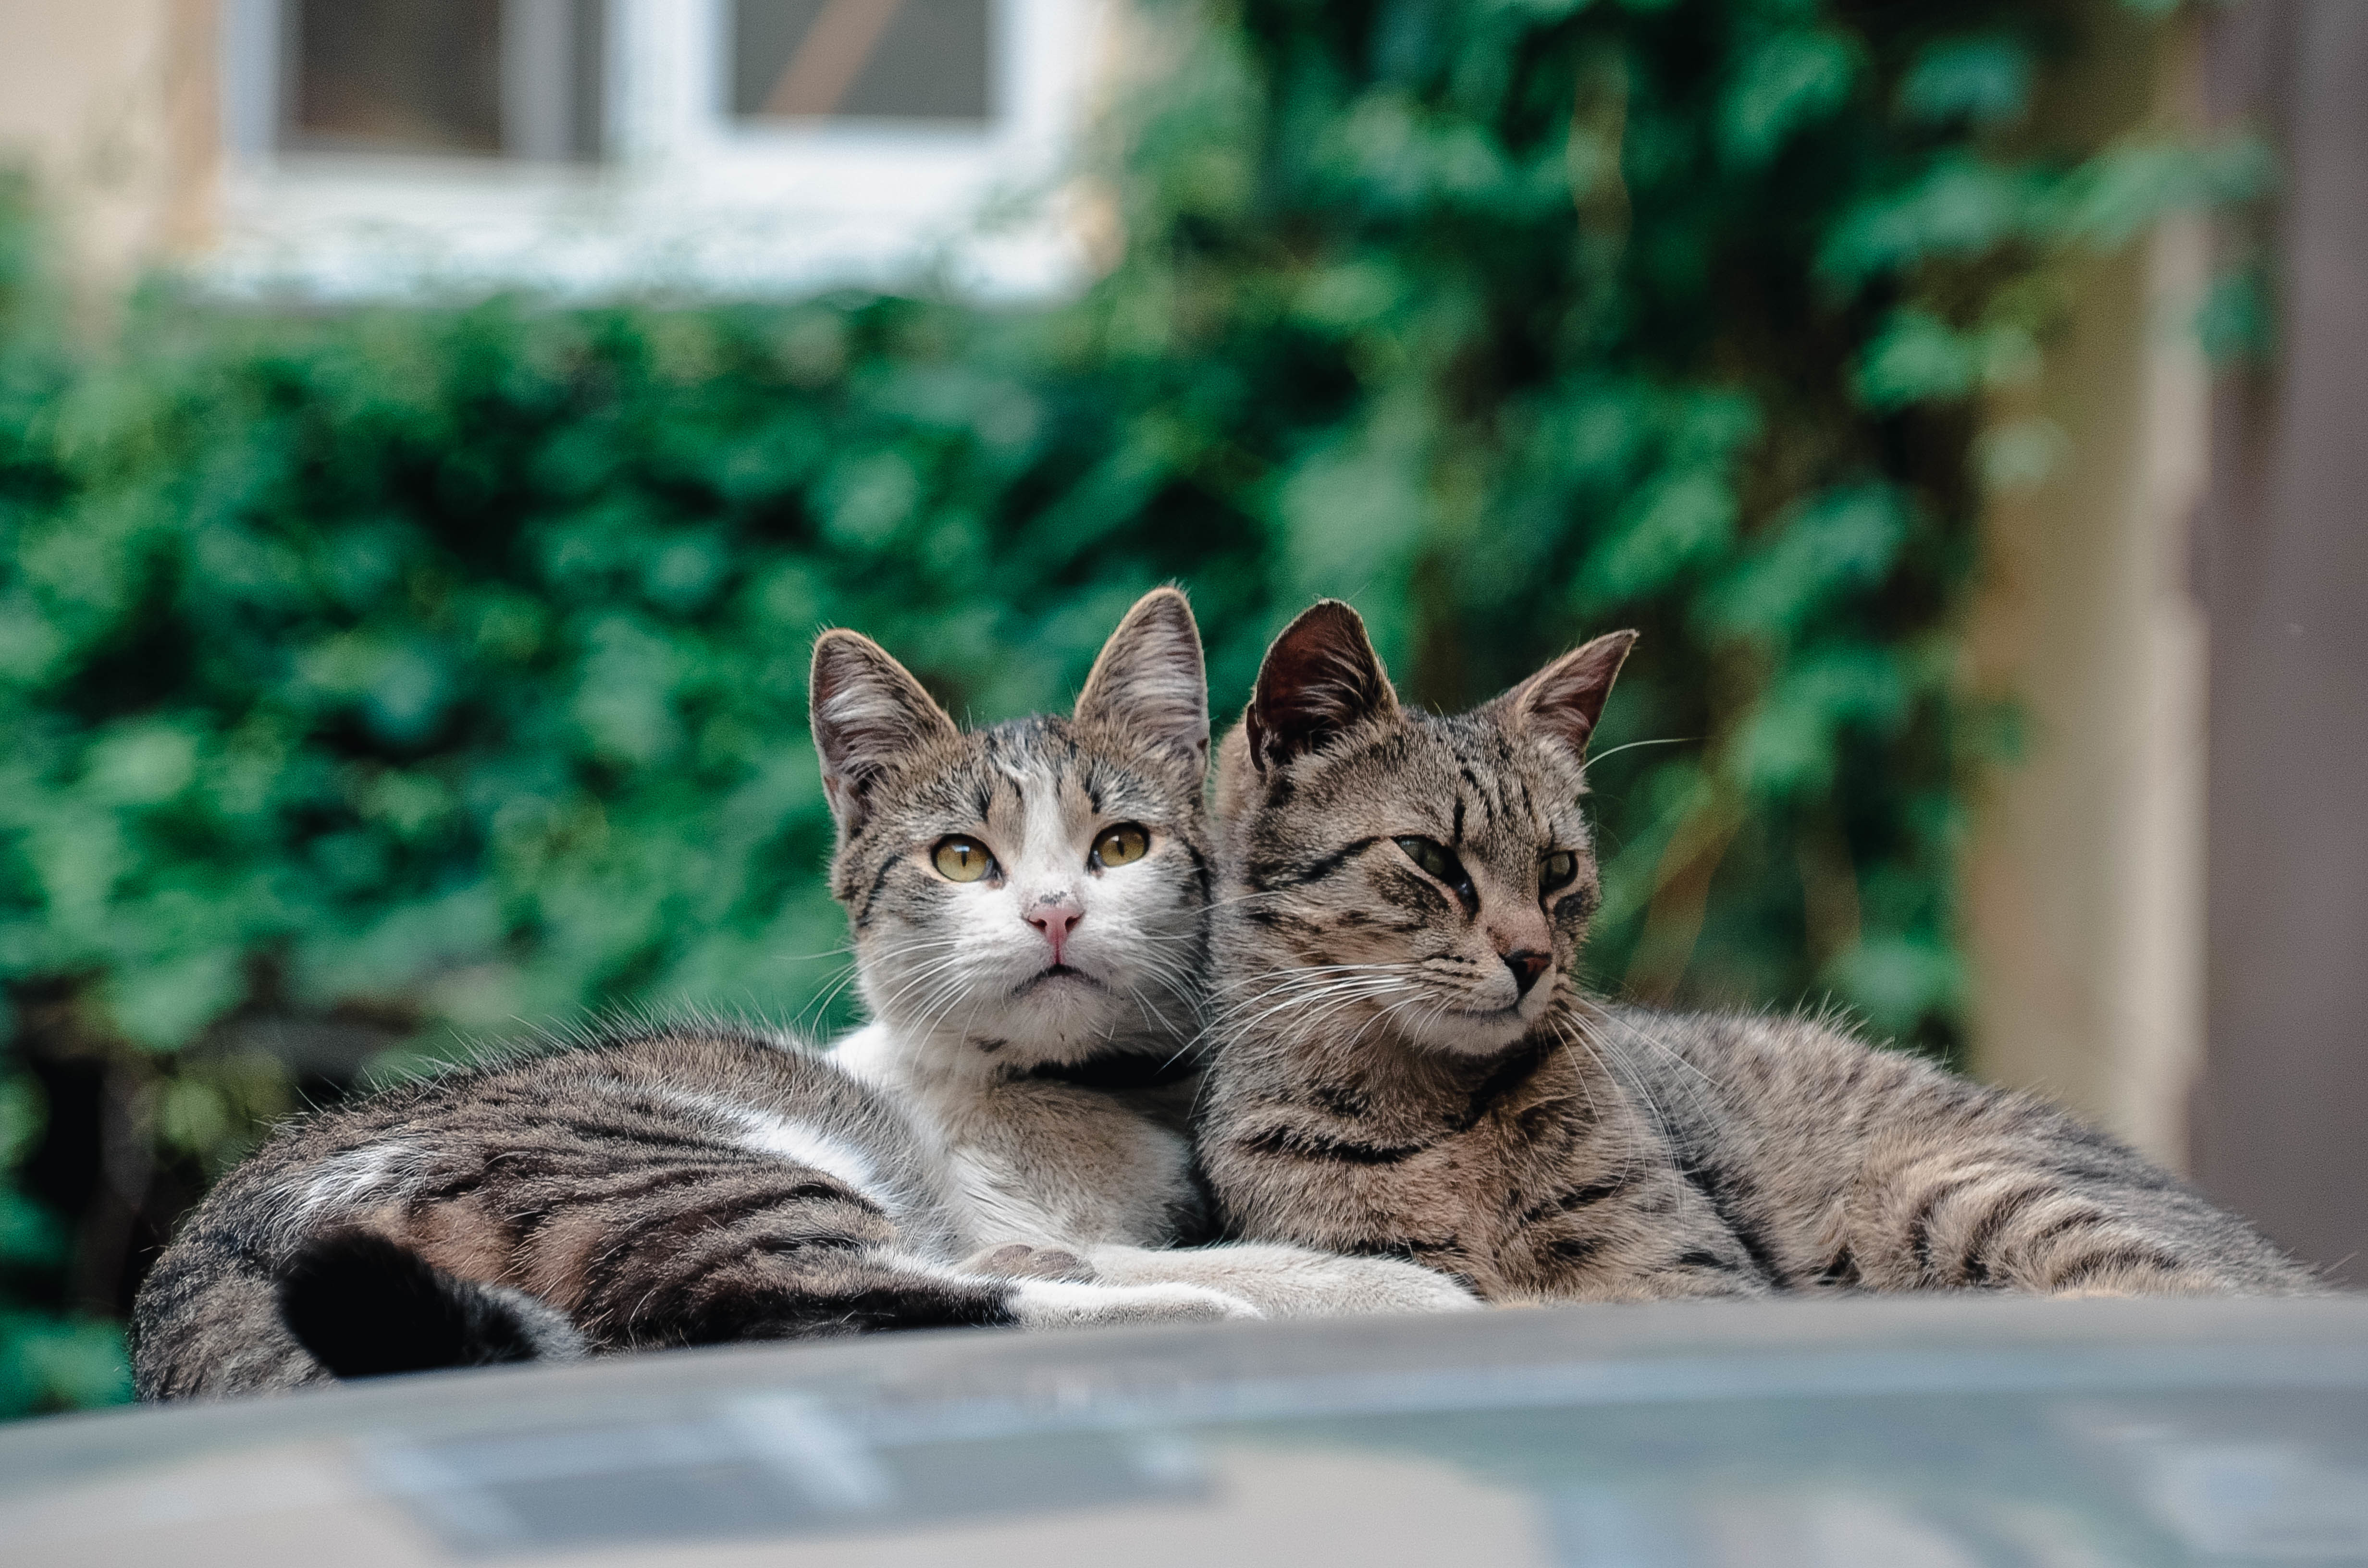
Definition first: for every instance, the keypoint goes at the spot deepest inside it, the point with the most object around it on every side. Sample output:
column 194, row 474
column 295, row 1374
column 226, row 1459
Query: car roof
column 1945, row 1430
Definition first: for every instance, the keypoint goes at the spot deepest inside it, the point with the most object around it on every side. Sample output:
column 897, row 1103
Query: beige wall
column 2086, row 913
column 111, row 104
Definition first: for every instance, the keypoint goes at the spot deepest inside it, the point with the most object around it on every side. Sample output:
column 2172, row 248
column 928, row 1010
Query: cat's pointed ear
column 1149, row 680
column 869, row 712
column 1564, row 700
column 1320, row 680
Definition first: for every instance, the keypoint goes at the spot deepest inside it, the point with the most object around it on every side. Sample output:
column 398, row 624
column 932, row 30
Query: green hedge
column 393, row 675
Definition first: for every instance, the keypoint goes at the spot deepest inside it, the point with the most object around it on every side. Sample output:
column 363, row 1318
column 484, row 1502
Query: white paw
column 1043, row 1303
column 1284, row 1280
column 1024, row 1260
column 1410, row 1288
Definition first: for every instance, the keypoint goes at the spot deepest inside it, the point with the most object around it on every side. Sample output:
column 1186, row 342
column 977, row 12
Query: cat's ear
column 1149, row 680
column 1564, row 700
column 869, row 712
column 1320, row 680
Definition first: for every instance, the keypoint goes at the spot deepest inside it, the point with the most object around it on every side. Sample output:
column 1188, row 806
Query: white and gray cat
column 1001, row 1145
column 1030, row 910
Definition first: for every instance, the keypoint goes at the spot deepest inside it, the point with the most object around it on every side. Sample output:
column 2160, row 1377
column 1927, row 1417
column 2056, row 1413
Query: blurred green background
column 378, row 679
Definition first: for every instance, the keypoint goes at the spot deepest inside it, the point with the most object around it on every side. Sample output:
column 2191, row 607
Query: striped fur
column 655, row 1186
column 1405, row 1066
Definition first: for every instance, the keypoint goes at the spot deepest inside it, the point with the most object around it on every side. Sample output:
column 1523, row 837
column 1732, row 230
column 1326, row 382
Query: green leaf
column 1837, row 543
column 1984, row 79
column 1787, row 82
column 1683, row 520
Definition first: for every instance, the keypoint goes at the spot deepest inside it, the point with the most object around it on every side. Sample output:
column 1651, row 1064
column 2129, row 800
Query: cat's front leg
column 1029, row 1260
column 1054, row 1288
column 1289, row 1281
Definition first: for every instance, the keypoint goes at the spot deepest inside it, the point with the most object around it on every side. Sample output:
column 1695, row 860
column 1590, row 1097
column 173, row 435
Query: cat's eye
column 1556, row 869
column 1440, row 860
column 1120, row 844
column 962, row 859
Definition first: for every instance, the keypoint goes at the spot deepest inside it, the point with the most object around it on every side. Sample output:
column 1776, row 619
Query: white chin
column 1471, row 1034
column 1056, row 1012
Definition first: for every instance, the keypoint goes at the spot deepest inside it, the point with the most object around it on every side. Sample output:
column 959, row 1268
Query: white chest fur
column 1032, row 1161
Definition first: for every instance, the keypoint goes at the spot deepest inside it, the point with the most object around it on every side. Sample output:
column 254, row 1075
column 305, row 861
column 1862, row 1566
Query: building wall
column 2169, row 915
column 2281, row 1120
column 2086, row 874
column 110, row 104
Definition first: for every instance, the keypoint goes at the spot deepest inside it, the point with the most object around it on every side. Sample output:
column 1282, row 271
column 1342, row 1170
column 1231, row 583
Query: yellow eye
column 1121, row 844
column 1555, row 869
column 960, row 859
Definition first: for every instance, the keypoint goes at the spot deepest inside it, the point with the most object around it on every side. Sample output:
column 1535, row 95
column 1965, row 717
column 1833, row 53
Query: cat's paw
column 1409, row 1288
column 1284, row 1280
column 1024, row 1260
column 1048, row 1304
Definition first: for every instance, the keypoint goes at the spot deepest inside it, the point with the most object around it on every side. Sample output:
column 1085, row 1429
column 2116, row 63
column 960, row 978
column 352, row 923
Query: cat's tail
column 364, row 1306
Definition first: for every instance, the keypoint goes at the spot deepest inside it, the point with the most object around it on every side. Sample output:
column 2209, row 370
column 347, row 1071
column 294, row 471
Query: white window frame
column 684, row 196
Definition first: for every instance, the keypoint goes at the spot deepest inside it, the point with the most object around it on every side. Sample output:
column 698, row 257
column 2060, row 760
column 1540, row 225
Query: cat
column 1406, row 1066
column 679, row 1184
column 690, row 1183
column 1028, row 911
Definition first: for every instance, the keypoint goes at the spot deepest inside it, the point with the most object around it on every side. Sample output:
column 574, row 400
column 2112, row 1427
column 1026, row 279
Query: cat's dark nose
column 1527, row 964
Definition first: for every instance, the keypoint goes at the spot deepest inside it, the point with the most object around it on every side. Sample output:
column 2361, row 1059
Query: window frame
column 684, row 194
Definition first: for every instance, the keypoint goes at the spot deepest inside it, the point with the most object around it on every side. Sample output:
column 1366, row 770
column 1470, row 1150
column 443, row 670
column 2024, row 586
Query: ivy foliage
column 399, row 674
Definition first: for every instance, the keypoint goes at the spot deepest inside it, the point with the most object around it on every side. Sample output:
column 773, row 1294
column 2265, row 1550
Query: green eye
column 1120, row 844
column 960, row 859
column 1556, row 869
column 1439, row 861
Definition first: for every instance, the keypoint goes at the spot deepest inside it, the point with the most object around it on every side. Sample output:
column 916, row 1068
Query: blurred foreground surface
column 1833, row 1434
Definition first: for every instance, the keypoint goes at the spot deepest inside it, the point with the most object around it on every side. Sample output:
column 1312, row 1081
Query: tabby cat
column 685, row 1185
column 1408, row 1068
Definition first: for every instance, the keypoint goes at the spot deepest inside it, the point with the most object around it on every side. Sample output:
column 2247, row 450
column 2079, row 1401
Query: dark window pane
column 518, row 76
column 395, row 76
column 588, row 71
column 861, row 58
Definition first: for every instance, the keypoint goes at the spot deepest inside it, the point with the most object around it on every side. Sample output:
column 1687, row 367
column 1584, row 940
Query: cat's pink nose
column 1056, row 919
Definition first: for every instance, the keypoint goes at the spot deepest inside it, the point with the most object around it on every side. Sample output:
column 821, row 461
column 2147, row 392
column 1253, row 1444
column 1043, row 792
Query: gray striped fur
column 1384, row 1084
column 655, row 1186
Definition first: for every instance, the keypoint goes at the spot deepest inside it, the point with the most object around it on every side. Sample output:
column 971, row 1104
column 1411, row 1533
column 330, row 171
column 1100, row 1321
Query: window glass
column 861, row 58
column 518, row 77
column 395, row 76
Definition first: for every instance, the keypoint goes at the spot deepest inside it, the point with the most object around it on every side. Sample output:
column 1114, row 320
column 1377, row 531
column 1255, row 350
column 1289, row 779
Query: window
column 469, row 78
column 920, row 59
column 742, row 146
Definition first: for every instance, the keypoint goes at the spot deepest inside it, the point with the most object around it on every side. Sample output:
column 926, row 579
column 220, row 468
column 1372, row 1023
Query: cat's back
column 1790, row 1095
column 1805, row 1134
column 513, row 1136
column 1799, row 1085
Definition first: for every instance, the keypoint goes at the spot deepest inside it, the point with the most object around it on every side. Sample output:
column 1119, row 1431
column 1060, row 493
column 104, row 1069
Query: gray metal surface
column 1907, row 1432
